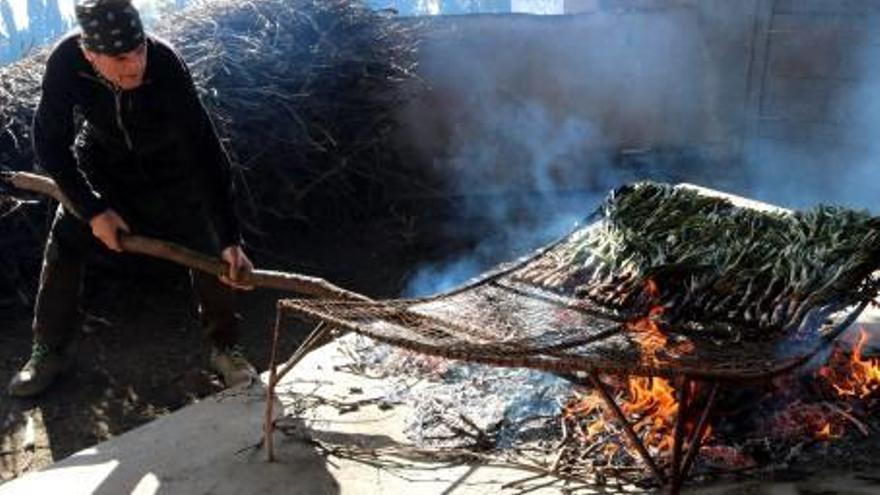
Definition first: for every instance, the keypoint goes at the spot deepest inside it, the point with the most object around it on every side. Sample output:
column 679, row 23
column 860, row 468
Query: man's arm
column 217, row 168
column 53, row 136
column 213, row 157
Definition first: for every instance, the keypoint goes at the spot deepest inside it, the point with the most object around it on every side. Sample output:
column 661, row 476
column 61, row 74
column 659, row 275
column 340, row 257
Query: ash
column 458, row 404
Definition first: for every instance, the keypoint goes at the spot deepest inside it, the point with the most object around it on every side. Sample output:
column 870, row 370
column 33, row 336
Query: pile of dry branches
column 22, row 227
column 19, row 94
column 303, row 92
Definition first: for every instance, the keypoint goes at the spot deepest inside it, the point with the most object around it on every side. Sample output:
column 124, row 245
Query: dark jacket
column 150, row 153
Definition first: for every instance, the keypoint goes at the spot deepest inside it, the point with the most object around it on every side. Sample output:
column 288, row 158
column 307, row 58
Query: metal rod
column 627, row 428
column 268, row 421
column 318, row 337
column 566, row 302
column 680, row 419
column 697, row 439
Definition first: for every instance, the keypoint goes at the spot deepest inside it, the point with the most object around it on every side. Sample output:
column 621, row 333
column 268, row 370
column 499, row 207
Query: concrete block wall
column 815, row 96
column 771, row 90
column 629, row 75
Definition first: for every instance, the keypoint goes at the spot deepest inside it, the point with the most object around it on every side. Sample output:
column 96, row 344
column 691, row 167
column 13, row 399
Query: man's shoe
column 39, row 372
column 234, row 367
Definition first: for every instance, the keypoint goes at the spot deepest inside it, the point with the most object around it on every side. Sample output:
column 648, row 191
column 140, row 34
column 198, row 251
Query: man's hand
column 106, row 227
column 239, row 264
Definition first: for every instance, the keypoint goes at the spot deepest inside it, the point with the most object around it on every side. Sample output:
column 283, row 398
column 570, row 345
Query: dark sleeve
column 53, row 136
column 213, row 156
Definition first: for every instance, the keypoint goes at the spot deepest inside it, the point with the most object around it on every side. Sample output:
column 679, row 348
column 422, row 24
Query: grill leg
column 268, row 421
column 627, row 427
column 319, row 336
column 699, row 431
column 683, row 392
column 681, row 468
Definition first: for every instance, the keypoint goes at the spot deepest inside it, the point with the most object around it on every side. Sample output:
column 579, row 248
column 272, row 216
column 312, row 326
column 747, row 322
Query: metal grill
column 504, row 319
column 514, row 316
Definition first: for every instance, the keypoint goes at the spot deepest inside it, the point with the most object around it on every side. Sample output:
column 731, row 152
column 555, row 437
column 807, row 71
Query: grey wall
column 814, row 104
column 776, row 99
column 530, row 120
column 520, row 101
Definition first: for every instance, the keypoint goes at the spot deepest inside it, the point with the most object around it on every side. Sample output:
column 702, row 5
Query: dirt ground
column 140, row 354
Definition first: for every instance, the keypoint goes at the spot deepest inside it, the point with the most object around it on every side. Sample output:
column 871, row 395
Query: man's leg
column 56, row 312
column 220, row 324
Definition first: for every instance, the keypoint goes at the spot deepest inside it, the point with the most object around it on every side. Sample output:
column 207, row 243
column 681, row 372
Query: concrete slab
column 208, row 448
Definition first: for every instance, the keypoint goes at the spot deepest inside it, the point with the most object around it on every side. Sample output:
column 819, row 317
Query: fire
column 653, row 401
column 653, row 338
column 825, row 434
column 584, row 406
column 857, row 377
column 648, row 402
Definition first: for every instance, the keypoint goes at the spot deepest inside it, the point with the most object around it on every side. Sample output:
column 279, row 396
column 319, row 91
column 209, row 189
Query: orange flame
column 648, row 401
column 825, row 434
column 857, row 377
column 653, row 337
column 652, row 400
column 650, row 405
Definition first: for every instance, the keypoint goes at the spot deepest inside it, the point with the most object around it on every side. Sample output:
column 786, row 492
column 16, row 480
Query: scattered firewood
column 858, row 424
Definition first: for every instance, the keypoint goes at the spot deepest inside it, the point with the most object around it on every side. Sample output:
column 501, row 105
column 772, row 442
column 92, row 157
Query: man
column 145, row 159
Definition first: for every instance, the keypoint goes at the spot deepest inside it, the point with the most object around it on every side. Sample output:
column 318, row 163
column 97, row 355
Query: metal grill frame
column 709, row 380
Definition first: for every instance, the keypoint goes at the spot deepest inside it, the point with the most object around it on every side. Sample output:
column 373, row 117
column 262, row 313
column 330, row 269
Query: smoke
column 531, row 120
column 438, row 277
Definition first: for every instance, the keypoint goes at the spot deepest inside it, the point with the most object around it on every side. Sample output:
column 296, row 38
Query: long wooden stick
column 294, row 282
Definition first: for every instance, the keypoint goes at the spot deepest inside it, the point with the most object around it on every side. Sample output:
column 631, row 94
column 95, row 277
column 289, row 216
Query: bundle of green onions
column 704, row 259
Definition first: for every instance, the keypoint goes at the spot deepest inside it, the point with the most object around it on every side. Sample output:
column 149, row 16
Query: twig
column 852, row 419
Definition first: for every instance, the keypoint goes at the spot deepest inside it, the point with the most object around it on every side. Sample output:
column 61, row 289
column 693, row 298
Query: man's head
column 113, row 40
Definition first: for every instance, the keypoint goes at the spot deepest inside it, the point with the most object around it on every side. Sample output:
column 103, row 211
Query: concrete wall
column 768, row 97
column 814, row 98
column 509, row 91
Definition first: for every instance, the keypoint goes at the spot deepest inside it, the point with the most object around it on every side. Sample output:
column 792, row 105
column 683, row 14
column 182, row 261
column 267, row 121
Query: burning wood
column 649, row 402
column 767, row 434
column 853, row 376
column 799, row 419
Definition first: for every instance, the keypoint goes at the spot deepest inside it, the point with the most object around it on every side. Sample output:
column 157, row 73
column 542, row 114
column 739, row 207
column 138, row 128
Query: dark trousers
column 68, row 248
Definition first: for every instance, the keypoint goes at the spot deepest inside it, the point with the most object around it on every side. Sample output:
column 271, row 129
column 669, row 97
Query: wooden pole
column 175, row 253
